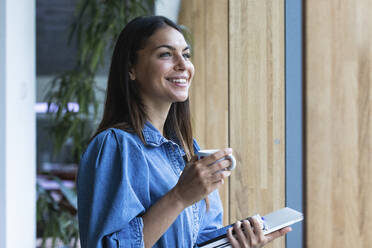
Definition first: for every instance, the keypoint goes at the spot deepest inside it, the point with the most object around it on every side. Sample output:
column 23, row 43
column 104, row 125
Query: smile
column 178, row 81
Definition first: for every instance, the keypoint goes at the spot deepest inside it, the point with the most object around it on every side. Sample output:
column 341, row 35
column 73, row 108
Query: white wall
column 17, row 124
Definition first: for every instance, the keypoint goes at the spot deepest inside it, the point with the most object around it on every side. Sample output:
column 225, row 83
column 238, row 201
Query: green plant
column 57, row 219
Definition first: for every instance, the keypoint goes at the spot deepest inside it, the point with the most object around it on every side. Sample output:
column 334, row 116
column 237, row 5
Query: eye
column 165, row 54
column 187, row 55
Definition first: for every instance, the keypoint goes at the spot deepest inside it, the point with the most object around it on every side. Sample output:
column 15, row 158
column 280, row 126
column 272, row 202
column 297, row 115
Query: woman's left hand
column 248, row 234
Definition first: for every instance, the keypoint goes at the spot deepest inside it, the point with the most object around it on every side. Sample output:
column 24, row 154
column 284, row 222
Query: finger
column 216, row 156
column 222, row 165
column 233, row 241
column 257, row 229
column 243, row 241
column 217, row 177
column 217, row 184
column 248, row 231
column 270, row 237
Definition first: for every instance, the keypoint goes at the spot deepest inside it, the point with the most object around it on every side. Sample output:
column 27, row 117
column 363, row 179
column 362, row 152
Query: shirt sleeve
column 110, row 193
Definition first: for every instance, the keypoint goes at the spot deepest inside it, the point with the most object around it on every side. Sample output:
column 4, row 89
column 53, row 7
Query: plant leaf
column 70, row 195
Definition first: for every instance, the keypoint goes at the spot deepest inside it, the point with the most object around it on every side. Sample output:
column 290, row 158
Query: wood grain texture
column 257, row 116
column 338, row 81
column 208, row 22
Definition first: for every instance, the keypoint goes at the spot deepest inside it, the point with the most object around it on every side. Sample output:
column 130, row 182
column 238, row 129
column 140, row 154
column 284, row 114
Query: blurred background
column 286, row 84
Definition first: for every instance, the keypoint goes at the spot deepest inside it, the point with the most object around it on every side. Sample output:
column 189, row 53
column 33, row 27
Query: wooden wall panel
column 208, row 21
column 338, row 81
column 257, row 128
column 238, row 96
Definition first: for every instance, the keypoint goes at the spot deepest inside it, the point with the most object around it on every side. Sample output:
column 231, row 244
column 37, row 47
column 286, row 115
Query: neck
column 157, row 115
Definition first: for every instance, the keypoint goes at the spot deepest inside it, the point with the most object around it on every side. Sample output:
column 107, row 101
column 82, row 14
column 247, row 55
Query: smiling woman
column 139, row 181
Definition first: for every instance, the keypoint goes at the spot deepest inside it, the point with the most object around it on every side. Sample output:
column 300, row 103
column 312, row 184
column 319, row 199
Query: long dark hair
column 124, row 108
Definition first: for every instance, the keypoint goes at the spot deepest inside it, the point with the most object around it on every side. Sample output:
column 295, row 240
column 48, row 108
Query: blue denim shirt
column 120, row 178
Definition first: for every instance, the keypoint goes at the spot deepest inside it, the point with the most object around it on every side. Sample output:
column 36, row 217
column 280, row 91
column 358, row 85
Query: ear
column 132, row 75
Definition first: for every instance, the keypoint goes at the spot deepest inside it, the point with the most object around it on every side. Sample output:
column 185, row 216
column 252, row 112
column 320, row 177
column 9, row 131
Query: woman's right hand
column 201, row 177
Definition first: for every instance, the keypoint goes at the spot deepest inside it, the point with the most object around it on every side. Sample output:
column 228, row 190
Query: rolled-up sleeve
column 111, row 188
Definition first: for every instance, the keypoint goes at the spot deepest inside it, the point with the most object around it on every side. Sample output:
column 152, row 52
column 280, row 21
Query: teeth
column 180, row 80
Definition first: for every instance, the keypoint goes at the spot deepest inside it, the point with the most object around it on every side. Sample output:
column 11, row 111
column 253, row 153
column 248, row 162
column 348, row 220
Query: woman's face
column 163, row 69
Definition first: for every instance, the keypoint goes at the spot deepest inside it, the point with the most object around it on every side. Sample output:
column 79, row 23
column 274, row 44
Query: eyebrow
column 171, row 48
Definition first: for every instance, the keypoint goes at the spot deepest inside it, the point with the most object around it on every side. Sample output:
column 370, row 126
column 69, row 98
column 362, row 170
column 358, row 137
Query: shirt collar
column 153, row 137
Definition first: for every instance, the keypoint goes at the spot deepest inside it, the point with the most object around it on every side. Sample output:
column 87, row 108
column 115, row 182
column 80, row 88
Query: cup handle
column 233, row 162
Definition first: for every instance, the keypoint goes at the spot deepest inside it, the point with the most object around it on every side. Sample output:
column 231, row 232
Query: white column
column 17, row 124
column 168, row 8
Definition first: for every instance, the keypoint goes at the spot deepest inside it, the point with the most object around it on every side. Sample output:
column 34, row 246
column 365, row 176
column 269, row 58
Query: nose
column 180, row 64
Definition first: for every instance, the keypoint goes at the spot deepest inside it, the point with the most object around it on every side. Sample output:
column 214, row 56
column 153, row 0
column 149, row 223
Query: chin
column 180, row 98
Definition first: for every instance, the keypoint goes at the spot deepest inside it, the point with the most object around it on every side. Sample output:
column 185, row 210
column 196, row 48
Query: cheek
column 160, row 69
column 191, row 70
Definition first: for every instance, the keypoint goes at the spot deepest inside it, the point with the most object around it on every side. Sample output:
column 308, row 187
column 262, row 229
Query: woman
column 139, row 183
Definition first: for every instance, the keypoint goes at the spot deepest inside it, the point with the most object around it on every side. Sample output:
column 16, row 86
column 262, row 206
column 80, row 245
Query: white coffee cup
column 206, row 153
